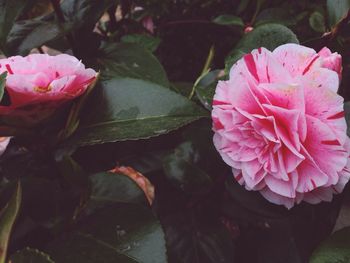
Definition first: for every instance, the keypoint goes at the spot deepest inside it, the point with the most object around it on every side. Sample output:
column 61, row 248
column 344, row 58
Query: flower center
column 43, row 89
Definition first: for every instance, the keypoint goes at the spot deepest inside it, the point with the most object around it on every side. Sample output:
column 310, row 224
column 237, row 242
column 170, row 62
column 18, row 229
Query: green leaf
column 43, row 210
column 127, row 109
column 7, row 219
column 124, row 233
column 275, row 15
column 228, row 20
column 9, row 11
column 243, row 4
column 335, row 249
column 232, row 58
column 131, row 60
column 317, row 22
column 253, row 201
column 269, row 36
column 183, row 88
column 347, row 116
column 28, row 34
column 146, row 41
column 72, row 122
column 206, row 88
column 272, row 242
column 2, row 84
column 181, row 169
column 30, row 255
column 337, row 10
column 291, row 234
column 84, row 12
column 146, row 162
column 197, row 238
column 110, row 187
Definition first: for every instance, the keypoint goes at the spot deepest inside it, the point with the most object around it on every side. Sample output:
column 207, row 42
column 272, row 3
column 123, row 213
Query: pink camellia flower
column 280, row 125
column 38, row 83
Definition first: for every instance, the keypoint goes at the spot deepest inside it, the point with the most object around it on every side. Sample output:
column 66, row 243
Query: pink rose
column 37, row 84
column 280, row 125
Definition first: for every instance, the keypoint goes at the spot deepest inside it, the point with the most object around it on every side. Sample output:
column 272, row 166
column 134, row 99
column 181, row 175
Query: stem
column 205, row 70
column 257, row 10
column 341, row 24
column 209, row 60
column 330, row 35
column 311, row 40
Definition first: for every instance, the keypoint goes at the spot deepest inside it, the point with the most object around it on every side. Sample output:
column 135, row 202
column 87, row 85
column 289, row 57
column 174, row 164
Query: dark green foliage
column 150, row 110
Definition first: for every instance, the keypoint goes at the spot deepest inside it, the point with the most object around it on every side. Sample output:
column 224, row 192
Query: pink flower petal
column 295, row 58
column 280, row 125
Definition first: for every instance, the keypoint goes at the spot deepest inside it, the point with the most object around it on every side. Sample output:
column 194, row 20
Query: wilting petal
column 4, row 141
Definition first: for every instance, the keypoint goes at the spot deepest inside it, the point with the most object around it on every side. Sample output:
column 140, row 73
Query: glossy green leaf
column 126, row 109
column 181, row 169
column 243, row 4
column 337, row 10
column 146, row 162
column 194, row 238
column 200, row 135
column 124, row 233
column 206, row 88
column 28, row 34
column 7, row 219
column 43, row 210
column 232, row 58
column 183, row 88
column 317, row 22
column 228, row 20
column 276, row 234
column 9, row 11
column 335, row 249
column 131, row 60
column 269, row 36
column 275, row 15
column 2, row 84
column 30, row 255
column 347, row 116
column 253, row 201
column 110, row 187
column 146, row 41
column 273, row 242
column 84, row 12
